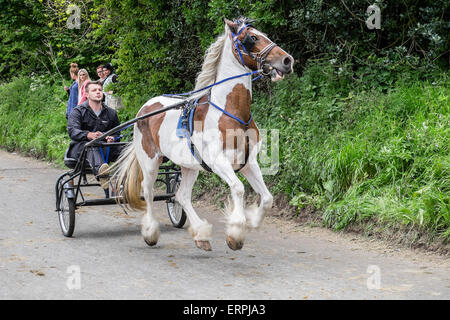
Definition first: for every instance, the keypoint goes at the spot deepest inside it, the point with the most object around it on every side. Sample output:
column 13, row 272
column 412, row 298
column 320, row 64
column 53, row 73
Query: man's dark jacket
column 83, row 120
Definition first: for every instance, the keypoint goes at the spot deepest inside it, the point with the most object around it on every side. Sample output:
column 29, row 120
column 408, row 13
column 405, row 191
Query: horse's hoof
column 233, row 244
column 150, row 242
column 203, row 244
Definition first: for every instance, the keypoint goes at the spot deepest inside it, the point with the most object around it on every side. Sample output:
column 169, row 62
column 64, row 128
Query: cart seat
column 72, row 162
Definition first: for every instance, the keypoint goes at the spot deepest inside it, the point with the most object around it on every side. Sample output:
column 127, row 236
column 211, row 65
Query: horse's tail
column 128, row 177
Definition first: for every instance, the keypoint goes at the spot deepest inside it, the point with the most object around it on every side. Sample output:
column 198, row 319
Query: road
column 108, row 259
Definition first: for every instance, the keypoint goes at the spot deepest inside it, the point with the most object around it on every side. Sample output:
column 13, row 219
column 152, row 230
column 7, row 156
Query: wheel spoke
column 175, row 210
column 66, row 213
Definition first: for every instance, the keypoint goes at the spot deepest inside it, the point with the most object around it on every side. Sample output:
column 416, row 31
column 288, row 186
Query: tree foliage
column 158, row 46
column 36, row 38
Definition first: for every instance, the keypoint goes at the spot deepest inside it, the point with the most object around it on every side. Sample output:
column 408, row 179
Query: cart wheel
column 175, row 210
column 66, row 213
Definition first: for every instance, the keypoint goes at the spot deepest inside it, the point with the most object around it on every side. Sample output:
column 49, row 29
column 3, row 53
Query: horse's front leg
column 252, row 173
column 235, row 224
column 201, row 230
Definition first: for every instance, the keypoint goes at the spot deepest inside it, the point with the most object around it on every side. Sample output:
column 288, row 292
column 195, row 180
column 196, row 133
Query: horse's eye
column 254, row 38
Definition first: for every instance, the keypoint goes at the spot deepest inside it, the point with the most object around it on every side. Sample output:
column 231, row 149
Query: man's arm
column 74, row 126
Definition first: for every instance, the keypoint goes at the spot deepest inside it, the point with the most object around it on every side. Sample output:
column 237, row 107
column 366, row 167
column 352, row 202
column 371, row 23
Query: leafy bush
column 160, row 45
column 32, row 117
column 363, row 154
column 36, row 38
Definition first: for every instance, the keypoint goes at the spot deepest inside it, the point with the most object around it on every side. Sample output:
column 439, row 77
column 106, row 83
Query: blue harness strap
column 105, row 160
column 185, row 123
column 185, row 129
column 230, row 115
column 214, row 84
column 238, row 43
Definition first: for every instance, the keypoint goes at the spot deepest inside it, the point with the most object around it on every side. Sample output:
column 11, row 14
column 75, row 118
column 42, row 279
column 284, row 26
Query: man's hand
column 94, row 135
column 109, row 139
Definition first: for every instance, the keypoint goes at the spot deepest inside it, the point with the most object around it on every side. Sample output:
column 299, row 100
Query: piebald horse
column 240, row 49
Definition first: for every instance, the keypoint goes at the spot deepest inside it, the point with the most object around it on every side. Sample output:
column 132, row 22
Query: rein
column 260, row 59
column 215, row 84
column 190, row 106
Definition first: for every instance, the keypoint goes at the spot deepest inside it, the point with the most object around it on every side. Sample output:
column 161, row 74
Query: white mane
column 211, row 60
column 213, row 54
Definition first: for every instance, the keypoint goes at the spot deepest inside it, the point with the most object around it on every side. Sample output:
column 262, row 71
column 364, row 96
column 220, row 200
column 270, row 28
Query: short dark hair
column 97, row 82
column 109, row 67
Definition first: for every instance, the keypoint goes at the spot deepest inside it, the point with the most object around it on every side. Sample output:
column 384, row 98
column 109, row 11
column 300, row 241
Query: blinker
column 248, row 42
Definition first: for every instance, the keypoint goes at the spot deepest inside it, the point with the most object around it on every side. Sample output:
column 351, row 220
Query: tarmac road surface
column 108, row 259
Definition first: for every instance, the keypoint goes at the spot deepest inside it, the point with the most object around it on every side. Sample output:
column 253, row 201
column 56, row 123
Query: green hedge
column 160, row 44
column 32, row 117
column 362, row 156
column 358, row 155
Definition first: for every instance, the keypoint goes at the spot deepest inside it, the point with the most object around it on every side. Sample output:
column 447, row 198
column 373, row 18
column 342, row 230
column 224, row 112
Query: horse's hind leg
column 200, row 229
column 150, row 225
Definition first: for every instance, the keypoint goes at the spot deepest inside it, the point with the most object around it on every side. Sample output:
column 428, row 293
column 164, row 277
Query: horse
column 240, row 50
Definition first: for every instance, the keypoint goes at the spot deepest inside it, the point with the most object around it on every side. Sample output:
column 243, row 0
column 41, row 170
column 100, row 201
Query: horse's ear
column 232, row 25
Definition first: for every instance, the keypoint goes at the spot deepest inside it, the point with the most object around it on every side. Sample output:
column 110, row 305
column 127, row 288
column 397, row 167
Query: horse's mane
column 211, row 60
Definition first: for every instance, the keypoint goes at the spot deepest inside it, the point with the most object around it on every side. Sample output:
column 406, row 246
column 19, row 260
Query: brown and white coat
column 218, row 137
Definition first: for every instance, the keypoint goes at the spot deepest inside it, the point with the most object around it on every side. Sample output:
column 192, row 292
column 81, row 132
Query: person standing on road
column 72, row 102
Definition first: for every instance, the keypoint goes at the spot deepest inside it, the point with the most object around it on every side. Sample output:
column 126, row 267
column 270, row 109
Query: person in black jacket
column 89, row 121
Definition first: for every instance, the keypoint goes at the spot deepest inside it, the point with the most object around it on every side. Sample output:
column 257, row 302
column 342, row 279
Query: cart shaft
column 115, row 200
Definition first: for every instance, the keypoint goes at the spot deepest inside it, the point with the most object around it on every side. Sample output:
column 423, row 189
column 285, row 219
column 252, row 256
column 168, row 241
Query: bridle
column 190, row 105
column 259, row 57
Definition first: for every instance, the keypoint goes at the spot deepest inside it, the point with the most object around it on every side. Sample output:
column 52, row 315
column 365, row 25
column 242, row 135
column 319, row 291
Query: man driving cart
column 87, row 122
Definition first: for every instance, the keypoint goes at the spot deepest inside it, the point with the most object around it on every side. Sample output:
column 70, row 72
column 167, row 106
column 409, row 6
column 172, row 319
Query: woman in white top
column 111, row 101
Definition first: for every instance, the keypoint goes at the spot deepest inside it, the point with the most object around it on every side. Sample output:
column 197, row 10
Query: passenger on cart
column 89, row 121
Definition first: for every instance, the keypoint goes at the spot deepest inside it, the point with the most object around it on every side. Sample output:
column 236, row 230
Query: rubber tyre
column 176, row 213
column 66, row 215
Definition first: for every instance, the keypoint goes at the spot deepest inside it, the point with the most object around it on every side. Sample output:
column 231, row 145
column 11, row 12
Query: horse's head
column 255, row 50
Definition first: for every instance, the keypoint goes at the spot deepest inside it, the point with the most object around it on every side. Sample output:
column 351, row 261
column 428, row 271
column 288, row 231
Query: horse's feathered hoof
column 233, row 244
column 151, row 243
column 204, row 245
